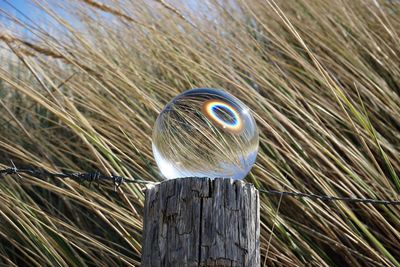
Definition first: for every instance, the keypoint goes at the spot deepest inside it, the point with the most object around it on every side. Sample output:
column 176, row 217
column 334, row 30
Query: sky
column 27, row 12
column 24, row 8
column 21, row 5
column 21, row 9
column 28, row 9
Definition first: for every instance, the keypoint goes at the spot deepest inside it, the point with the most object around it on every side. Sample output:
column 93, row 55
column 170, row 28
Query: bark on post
column 201, row 222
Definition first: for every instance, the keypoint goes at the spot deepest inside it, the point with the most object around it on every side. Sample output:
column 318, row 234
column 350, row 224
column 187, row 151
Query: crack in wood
column 201, row 230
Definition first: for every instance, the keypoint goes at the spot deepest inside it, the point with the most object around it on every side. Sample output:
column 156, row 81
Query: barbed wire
column 332, row 198
column 117, row 180
column 91, row 177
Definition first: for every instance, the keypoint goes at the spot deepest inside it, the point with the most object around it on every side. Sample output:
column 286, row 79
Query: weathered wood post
column 201, row 222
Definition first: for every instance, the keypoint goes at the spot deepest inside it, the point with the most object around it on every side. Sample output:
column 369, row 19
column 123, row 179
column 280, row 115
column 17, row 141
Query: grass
column 81, row 91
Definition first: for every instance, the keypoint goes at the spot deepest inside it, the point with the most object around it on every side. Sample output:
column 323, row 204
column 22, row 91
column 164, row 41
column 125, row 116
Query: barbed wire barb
column 97, row 177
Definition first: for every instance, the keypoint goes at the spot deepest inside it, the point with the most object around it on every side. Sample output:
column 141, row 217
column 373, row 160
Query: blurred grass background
column 82, row 82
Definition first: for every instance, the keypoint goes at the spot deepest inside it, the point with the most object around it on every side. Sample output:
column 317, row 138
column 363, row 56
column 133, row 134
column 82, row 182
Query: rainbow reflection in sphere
column 205, row 133
column 231, row 123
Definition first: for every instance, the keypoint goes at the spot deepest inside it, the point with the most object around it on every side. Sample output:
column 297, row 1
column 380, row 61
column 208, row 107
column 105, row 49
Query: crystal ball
column 205, row 133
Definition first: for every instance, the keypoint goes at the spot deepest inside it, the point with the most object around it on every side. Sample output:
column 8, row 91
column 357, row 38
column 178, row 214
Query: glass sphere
column 205, row 133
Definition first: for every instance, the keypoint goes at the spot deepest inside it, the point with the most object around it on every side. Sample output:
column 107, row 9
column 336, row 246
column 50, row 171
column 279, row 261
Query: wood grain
column 201, row 222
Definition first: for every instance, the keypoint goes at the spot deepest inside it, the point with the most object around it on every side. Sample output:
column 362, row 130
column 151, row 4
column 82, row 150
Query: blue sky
column 24, row 10
column 16, row 7
column 21, row 5
column 28, row 9
column 27, row 12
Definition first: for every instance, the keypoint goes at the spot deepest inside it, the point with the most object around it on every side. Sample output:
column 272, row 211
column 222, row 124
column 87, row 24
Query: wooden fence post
column 201, row 222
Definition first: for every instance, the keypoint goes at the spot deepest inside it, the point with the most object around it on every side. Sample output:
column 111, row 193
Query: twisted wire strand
column 331, row 198
column 94, row 176
column 119, row 180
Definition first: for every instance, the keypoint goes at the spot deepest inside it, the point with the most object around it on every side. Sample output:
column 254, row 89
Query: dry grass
column 83, row 93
